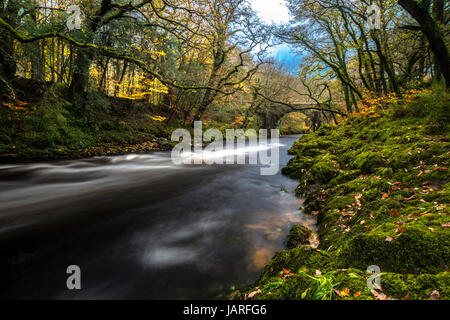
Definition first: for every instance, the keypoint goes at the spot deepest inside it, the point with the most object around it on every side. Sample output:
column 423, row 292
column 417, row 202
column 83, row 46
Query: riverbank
column 380, row 190
column 49, row 127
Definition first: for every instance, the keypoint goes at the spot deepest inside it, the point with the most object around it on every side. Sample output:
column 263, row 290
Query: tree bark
column 434, row 35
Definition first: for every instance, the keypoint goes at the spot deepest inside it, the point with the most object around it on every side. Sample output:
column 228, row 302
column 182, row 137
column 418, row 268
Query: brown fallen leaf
column 254, row 293
column 400, row 229
column 286, row 273
column 394, row 213
column 378, row 295
column 435, row 295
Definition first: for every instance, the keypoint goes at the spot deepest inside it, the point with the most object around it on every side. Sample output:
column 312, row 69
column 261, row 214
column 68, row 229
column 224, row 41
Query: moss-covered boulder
column 298, row 236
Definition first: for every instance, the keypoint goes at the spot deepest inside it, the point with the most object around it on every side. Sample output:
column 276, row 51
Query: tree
column 420, row 11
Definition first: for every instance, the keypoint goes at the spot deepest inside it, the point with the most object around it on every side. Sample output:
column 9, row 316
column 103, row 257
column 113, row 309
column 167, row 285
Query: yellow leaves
column 16, row 106
column 286, row 273
column 141, row 88
column 157, row 118
column 345, row 292
column 372, row 105
column 239, row 121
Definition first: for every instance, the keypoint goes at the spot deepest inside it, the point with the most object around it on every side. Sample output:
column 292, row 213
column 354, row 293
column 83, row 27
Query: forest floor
column 380, row 189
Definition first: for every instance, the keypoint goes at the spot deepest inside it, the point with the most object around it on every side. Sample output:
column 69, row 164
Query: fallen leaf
column 435, row 295
column 345, row 292
column 378, row 296
column 400, row 229
column 286, row 273
column 394, row 213
column 358, row 294
column 254, row 293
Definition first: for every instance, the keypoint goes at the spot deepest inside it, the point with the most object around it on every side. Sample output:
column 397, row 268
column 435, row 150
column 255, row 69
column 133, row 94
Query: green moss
column 415, row 250
column 295, row 260
column 368, row 161
column 298, row 236
column 324, row 169
column 380, row 189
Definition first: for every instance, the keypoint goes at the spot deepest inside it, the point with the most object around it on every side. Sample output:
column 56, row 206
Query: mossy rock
column 415, row 250
column 297, row 166
column 294, row 260
column 298, row 236
column 368, row 162
column 407, row 286
column 325, row 168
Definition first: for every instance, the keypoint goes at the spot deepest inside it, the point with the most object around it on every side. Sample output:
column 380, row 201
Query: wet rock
column 298, row 236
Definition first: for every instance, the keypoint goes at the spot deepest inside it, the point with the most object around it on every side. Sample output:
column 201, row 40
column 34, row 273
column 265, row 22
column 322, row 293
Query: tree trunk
column 8, row 64
column 438, row 15
column 80, row 76
column 431, row 30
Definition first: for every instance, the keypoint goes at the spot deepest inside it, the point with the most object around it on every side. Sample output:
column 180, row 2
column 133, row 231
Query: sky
column 271, row 10
column 275, row 11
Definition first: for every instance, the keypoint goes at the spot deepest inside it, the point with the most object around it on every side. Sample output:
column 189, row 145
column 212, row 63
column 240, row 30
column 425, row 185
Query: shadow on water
column 140, row 227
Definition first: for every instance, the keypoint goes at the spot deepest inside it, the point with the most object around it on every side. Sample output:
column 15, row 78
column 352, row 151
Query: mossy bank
column 380, row 190
column 50, row 127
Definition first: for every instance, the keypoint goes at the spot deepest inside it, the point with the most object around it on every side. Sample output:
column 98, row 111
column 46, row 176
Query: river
column 140, row 227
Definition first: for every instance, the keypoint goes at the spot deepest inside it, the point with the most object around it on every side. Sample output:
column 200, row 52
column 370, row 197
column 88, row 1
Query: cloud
column 271, row 10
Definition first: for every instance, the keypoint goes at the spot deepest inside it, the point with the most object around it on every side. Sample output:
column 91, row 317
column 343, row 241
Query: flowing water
column 140, row 227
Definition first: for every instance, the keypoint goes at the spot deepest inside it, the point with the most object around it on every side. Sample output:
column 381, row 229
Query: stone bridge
column 270, row 117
